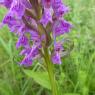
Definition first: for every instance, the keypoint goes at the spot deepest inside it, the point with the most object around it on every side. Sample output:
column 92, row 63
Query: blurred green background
column 77, row 72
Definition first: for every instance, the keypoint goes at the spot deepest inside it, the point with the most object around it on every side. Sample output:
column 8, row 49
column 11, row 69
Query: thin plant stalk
column 50, row 69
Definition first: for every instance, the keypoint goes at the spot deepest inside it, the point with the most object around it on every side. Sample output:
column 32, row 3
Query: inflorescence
column 37, row 24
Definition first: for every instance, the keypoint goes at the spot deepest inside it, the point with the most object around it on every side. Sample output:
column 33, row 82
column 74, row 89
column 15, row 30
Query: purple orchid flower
column 17, row 8
column 22, row 41
column 47, row 16
column 37, row 33
column 60, row 27
column 58, row 48
column 26, row 62
column 59, row 8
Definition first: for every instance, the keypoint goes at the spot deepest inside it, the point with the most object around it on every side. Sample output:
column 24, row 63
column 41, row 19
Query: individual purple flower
column 59, row 8
column 60, row 27
column 17, row 8
column 27, row 61
column 56, row 59
column 58, row 48
column 9, row 19
column 13, row 23
column 22, row 41
column 47, row 16
column 34, row 53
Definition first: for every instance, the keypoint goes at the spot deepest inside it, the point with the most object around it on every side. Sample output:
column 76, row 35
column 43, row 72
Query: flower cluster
column 37, row 24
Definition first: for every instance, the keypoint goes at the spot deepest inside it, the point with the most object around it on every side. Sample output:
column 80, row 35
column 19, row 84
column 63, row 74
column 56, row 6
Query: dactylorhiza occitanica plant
column 43, row 21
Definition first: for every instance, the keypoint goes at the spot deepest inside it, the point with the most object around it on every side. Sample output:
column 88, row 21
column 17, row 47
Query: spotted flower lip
column 59, row 8
column 8, row 19
column 17, row 8
column 22, row 41
column 60, row 27
column 37, row 24
column 47, row 16
column 58, row 46
column 56, row 59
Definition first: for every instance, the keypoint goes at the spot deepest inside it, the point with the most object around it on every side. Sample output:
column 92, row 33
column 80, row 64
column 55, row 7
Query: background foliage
column 76, row 75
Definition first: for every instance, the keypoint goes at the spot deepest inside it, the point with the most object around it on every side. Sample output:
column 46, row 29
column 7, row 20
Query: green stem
column 50, row 69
